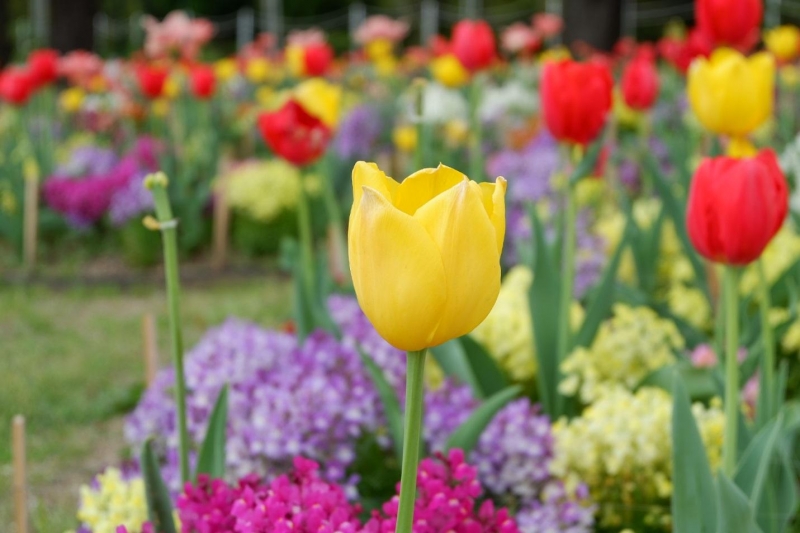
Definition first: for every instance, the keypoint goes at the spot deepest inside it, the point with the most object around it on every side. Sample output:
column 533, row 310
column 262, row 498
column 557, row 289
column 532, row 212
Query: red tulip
column 294, row 134
column 202, row 81
column 681, row 53
column 640, row 84
column 440, row 46
column 473, row 44
column 16, row 86
column 43, row 66
column 734, row 23
column 736, row 206
column 575, row 99
column 151, row 79
column 317, row 58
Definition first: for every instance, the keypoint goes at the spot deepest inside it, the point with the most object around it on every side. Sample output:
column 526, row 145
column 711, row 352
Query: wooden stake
column 20, row 477
column 222, row 215
column 30, row 224
column 150, row 348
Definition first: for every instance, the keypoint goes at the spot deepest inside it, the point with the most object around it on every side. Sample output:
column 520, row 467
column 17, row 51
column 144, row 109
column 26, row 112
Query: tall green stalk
column 766, row 405
column 476, row 130
column 415, row 364
column 157, row 183
column 567, row 280
column 334, row 212
column 306, row 238
column 731, row 307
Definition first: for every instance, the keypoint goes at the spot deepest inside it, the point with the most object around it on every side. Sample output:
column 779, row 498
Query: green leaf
column 735, row 512
column 159, row 504
column 491, row 378
column 754, row 465
column 699, row 382
column 466, row 436
column 588, row 162
column 452, row 358
column 543, row 298
column 211, row 460
column 693, row 486
column 602, row 298
column 391, row 405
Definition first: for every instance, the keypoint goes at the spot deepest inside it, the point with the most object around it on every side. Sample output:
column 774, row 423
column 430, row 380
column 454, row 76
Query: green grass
column 71, row 362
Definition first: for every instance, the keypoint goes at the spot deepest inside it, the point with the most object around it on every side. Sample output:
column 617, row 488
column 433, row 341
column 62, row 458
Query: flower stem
column 334, row 212
column 476, row 130
column 158, row 186
column 731, row 307
column 411, row 440
column 306, row 238
column 567, row 281
column 766, row 406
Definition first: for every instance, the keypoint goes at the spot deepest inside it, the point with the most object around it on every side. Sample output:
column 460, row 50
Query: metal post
column 471, row 9
column 245, row 26
column 134, row 31
column 428, row 21
column 629, row 18
column 772, row 14
column 272, row 18
column 40, row 16
column 356, row 15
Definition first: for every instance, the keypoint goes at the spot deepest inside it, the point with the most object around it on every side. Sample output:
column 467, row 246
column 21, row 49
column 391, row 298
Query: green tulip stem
column 419, row 110
column 476, row 130
column 411, row 439
column 306, row 237
column 334, row 212
column 731, row 309
column 157, row 183
column 567, row 278
column 766, row 407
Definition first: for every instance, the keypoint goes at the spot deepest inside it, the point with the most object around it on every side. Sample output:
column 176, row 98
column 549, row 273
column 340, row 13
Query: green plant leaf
column 490, row 376
column 735, row 512
column 602, row 298
column 159, row 504
column 391, row 405
column 211, row 460
column 587, row 162
column 699, row 382
column 543, row 298
column 693, row 486
column 466, row 436
column 452, row 358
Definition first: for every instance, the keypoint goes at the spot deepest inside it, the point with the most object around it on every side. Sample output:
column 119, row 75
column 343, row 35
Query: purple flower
column 529, row 170
column 358, row 133
column 130, row 201
column 558, row 511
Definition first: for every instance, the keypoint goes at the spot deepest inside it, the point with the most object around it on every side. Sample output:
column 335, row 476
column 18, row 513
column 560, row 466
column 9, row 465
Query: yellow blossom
column 321, row 99
column 71, row 99
column 783, row 42
column 257, row 70
column 449, row 71
column 114, row 502
column 379, row 49
column 262, row 189
column 225, row 69
column 405, row 138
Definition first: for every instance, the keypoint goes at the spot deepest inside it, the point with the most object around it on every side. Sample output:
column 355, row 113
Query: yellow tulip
column 379, row 49
column 783, row 42
column 321, row 99
column 71, row 99
column 556, row 53
column 225, row 69
column 449, row 71
column 405, row 138
column 296, row 60
column 172, row 88
column 789, row 76
column 425, row 254
column 257, row 70
column 731, row 94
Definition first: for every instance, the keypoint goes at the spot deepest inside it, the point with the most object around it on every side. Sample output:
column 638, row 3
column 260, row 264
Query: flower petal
column 467, row 241
column 494, row 200
column 421, row 186
column 369, row 175
column 397, row 272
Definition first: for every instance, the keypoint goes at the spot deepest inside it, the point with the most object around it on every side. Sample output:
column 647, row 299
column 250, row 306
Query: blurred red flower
column 294, row 134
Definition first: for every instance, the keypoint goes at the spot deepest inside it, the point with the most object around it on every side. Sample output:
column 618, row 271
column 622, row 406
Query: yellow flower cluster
column 690, row 304
column 628, row 347
column 621, row 447
column 507, row 332
column 114, row 502
column 782, row 252
column 263, row 189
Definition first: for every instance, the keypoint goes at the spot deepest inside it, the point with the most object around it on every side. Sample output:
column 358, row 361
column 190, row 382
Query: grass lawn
column 70, row 361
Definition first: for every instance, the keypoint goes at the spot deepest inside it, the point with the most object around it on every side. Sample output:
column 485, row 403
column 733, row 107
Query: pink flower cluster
column 178, row 34
column 447, row 491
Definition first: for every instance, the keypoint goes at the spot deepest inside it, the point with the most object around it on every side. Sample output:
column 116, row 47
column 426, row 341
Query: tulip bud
column 317, row 59
column 576, row 98
column 733, row 23
column 473, row 44
column 736, row 206
column 294, row 134
column 425, row 254
column 202, row 81
column 640, row 84
column 152, row 79
column 16, row 86
column 43, row 66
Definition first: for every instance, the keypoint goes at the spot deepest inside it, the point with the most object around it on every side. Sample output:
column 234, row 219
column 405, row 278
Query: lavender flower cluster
column 358, row 133
column 93, row 182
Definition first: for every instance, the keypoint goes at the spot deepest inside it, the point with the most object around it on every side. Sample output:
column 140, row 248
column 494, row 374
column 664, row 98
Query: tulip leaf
column 466, row 436
column 602, row 298
column 587, row 162
column 735, row 512
column 211, row 460
column 452, row 358
column 310, row 312
column 677, row 213
column 693, row 486
column 543, row 299
column 469, row 362
column 391, row 405
column 159, row 504
column 699, row 382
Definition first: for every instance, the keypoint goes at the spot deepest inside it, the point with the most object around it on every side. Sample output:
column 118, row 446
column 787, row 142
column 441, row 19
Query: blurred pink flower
column 750, row 394
column 303, row 38
column 548, row 24
column 260, row 47
column 704, row 356
column 79, row 66
column 520, row 37
column 381, row 27
column 177, row 33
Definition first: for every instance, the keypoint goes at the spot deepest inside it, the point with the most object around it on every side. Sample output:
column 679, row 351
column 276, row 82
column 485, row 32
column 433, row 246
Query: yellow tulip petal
column 467, row 241
column 397, row 272
column 423, row 185
column 494, row 200
column 369, row 175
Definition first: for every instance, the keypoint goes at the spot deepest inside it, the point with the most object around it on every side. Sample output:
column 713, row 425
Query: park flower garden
column 534, row 289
